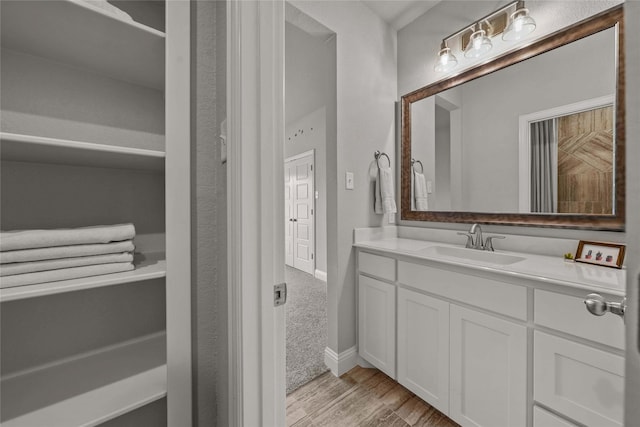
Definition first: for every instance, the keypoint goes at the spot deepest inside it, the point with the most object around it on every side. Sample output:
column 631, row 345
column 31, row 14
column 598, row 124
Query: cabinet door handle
column 598, row 306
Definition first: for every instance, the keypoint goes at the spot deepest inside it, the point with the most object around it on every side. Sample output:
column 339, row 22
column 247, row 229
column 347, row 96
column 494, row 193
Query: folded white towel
column 25, row 255
column 420, row 191
column 384, row 199
column 31, row 239
column 56, row 264
column 63, row 274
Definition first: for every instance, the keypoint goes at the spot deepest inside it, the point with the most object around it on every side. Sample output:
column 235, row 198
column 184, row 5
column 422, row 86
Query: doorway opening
column 310, row 109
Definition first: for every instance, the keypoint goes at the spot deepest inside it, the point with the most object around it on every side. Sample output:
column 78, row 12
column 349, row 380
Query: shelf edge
column 79, row 145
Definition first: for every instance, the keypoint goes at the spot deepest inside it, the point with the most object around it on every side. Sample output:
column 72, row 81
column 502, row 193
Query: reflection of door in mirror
column 569, row 155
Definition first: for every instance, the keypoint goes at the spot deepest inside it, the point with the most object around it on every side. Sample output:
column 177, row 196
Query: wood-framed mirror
column 524, row 140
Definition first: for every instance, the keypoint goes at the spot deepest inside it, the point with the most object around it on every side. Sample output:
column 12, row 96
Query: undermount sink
column 472, row 255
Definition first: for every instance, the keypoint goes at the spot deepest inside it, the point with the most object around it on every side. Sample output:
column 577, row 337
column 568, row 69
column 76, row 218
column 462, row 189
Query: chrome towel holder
column 379, row 154
column 413, row 165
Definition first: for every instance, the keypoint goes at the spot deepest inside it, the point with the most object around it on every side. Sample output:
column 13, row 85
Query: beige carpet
column 306, row 327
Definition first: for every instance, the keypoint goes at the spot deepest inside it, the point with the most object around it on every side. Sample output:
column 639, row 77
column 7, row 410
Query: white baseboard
column 340, row 363
column 321, row 275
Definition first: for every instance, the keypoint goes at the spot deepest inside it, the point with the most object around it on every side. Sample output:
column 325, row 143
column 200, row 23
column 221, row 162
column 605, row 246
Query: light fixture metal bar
column 483, row 19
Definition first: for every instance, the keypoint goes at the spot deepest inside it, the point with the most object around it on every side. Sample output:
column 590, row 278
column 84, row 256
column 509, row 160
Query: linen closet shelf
column 72, row 32
column 82, row 142
column 38, row 149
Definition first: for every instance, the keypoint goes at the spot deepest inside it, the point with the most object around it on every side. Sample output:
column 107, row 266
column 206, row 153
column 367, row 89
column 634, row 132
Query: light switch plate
column 348, row 180
column 429, row 187
column 317, row 194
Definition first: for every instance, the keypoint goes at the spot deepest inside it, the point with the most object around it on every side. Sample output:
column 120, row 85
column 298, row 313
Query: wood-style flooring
column 361, row 397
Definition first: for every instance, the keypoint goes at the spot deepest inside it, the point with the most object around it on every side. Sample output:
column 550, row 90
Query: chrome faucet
column 478, row 242
column 475, row 240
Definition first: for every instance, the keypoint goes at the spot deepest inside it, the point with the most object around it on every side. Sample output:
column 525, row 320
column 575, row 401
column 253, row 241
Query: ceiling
column 399, row 13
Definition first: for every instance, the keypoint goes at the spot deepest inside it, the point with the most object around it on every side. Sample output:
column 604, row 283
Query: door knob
column 598, row 306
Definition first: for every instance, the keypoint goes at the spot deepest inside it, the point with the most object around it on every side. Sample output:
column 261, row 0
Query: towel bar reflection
column 377, row 156
column 413, row 165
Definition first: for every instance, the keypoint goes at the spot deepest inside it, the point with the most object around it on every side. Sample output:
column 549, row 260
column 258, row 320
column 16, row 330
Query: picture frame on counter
column 600, row 253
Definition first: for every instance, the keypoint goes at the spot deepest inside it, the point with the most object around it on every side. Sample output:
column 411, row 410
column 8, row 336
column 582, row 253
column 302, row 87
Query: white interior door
column 300, row 200
column 288, row 214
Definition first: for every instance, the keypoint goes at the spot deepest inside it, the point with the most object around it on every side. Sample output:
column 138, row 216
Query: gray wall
column 209, row 223
column 366, row 93
column 419, row 42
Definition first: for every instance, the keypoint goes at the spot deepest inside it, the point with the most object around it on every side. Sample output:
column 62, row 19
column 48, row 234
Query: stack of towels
column 37, row 256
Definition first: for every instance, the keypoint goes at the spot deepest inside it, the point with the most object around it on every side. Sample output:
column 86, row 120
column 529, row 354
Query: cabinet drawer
column 584, row 383
column 377, row 265
column 568, row 314
column 542, row 418
column 504, row 298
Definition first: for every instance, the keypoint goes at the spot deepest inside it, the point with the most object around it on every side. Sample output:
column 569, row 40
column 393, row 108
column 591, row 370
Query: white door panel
column 288, row 212
column 299, row 187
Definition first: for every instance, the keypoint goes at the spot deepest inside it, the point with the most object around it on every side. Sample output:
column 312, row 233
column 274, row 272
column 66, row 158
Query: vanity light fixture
column 512, row 21
column 521, row 25
column 479, row 43
column 447, row 61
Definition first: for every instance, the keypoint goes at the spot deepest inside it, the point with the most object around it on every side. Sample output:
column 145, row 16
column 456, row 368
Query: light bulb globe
column 447, row 61
column 521, row 25
column 479, row 44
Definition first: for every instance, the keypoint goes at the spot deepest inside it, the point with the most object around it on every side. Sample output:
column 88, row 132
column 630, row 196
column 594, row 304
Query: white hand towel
column 384, row 200
column 25, row 255
column 31, row 239
column 63, row 274
column 56, row 264
column 420, row 191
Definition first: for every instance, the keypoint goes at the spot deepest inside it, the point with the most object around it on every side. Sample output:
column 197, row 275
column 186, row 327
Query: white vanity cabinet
column 488, row 348
column 423, row 347
column 377, row 311
column 468, row 364
column 377, row 324
column 488, row 370
column 571, row 375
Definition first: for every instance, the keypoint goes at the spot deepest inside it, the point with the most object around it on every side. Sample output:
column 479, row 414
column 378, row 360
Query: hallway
column 306, row 327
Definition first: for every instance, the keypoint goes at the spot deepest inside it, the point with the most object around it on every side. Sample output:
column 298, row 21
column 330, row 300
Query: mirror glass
column 535, row 138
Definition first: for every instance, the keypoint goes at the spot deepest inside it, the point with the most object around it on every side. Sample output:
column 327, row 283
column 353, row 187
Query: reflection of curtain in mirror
column 544, row 166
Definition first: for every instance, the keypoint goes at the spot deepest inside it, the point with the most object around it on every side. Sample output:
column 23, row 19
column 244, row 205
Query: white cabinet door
column 423, row 347
column 581, row 382
column 377, row 324
column 488, row 370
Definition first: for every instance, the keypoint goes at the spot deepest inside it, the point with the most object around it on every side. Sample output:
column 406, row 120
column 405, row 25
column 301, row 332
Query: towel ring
column 378, row 154
column 413, row 165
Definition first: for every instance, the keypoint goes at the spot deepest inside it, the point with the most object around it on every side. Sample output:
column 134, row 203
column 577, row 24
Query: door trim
column 311, row 152
column 255, row 106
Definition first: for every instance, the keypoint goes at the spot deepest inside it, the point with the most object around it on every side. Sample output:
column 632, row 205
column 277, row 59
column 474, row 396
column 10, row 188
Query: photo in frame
column 600, row 253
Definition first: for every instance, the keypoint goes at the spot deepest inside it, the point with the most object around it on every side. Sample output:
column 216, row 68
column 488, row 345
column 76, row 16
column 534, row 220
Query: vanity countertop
column 540, row 268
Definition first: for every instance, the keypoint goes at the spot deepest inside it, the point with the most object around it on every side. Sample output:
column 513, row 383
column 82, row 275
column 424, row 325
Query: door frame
column 255, row 108
column 299, row 156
